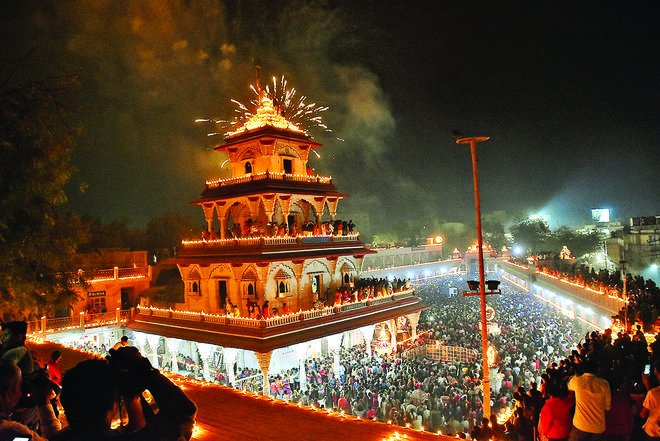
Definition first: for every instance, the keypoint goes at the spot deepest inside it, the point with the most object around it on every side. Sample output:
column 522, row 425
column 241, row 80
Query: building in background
column 115, row 279
column 638, row 244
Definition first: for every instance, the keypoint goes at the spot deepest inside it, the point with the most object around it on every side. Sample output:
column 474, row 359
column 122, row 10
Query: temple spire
column 257, row 71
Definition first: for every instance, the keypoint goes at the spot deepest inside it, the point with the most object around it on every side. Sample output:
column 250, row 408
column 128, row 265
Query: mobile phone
column 150, row 401
column 23, row 438
column 647, row 369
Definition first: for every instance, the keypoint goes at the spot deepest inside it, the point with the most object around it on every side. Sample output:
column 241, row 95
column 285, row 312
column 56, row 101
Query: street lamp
column 625, row 294
column 473, row 140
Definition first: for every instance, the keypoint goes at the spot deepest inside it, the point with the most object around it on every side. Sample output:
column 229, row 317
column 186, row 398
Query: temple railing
column 275, row 321
column 215, row 183
column 267, row 241
column 118, row 273
column 83, row 321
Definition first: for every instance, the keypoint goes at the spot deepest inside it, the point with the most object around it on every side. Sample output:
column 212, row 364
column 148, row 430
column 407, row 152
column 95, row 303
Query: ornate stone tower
column 272, row 233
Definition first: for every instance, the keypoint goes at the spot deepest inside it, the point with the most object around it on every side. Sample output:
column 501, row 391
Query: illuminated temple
column 275, row 274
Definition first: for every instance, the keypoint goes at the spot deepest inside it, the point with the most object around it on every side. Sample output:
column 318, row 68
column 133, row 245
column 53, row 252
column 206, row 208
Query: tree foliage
column 167, row 230
column 37, row 238
column 532, row 234
column 492, row 227
column 579, row 243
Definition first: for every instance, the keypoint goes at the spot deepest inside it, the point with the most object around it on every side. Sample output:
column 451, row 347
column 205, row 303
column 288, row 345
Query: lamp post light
column 625, row 294
column 473, row 140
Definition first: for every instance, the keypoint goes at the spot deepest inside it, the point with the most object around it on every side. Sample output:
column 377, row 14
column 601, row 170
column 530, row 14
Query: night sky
column 567, row 91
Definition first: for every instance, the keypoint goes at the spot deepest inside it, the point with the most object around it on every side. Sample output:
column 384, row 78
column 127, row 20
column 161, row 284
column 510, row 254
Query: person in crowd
column 482, row 432
column 53, row 367
column 122, row 343
column 127, row 374
column 592, row 400
column 13, row 346
column 55, row 375
column 619, row 419
column 10, row 394
column 651, row 406
column 555, row 421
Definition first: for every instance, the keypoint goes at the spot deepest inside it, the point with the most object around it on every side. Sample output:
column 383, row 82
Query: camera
column 35, row 385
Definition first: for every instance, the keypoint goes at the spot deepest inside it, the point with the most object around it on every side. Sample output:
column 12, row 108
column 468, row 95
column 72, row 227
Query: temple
column 274, row 267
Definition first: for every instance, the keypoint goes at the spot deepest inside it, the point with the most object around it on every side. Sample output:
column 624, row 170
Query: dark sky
column 568, row 92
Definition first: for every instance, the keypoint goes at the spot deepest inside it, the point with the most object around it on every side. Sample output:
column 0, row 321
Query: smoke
column 368, row 119
column 150, row 68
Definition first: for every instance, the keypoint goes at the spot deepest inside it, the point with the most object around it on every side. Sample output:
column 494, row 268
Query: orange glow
column 266, row 115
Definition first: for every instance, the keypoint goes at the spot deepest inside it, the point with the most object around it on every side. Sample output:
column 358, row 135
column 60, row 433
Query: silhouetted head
column 90, row 395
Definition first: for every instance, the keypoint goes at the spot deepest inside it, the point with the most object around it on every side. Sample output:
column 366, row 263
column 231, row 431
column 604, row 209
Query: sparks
column 275, row 105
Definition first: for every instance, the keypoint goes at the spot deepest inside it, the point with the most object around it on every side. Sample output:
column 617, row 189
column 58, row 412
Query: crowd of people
column 643, row 294
column 554, row 377
column 542, row 356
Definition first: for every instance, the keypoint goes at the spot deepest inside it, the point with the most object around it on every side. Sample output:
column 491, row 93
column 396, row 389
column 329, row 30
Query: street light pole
column 625, row 294
column 482, row 285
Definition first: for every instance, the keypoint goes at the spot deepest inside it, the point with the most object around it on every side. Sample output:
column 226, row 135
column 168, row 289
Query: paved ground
column 225, row 414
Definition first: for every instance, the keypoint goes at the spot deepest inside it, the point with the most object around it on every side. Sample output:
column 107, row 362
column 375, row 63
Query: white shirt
column 592, row 399
column 652, row 403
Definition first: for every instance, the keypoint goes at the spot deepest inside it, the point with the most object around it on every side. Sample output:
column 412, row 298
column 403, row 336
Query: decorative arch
column 249, row 153
column 281, row 267
column 281, row 281
column 320, row 265
column 194, row 273
column 346, row 270
column 194, row 281
column 250, row 273
column 249, row 283
column 218, row 269
column 287, row 150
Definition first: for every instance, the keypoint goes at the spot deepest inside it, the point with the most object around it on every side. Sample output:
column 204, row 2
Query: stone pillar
column 44, row 321
column 223, row 227
column 153, row 343
column 229, row 357
column 414, row 320
column 264, row 363
column 140, row 339
column 172, row 346
column 205, row 351
column 334, row 345
column 392, row 325
column 368, row 334
column 301, row 352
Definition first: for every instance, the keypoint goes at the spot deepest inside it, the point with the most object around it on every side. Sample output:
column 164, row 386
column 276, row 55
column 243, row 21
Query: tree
column 457, row 235
column 579, row 243
column 167, row 231
column 116, row 234
column 37, row 238
column 532, row 234
column 492, row 227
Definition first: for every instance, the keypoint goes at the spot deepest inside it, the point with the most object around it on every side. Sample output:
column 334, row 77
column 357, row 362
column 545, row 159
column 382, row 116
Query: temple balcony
column 268, row 182
column 277, row 246
column 283, row 330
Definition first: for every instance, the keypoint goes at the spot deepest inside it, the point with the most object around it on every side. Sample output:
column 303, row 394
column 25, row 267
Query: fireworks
column 274, row 105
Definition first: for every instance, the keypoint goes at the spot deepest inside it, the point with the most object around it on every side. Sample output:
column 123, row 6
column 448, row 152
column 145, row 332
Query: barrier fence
column 434, row 350
column 84, row 321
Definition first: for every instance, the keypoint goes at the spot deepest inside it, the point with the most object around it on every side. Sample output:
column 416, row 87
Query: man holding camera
column 93, row 390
